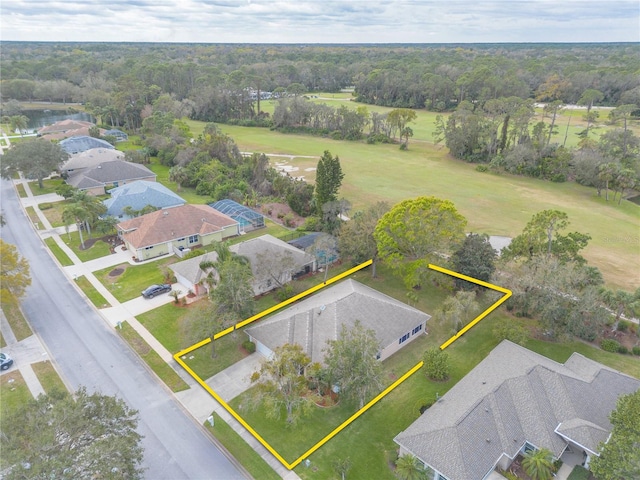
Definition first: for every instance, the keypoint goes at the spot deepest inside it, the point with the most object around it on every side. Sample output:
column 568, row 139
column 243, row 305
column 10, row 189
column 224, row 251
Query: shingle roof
column 108, row 173
column 270, row 245
column 65, row 126
column 79, row 144
column 92, row 158
column 138, row 195
column 190, row 268
column 173, row 223
column 514, row 395
column 317, row 319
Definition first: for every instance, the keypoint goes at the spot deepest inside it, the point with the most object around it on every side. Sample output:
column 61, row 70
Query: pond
column 42, row 118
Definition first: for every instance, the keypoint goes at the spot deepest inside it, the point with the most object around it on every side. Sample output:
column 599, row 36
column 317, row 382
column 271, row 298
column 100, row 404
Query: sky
column 321, row 21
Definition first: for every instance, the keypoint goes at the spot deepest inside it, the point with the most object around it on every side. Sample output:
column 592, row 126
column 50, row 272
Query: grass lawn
column 134, row 279
column 31, row 212
column 18, row 323
column 54, row 214
column 49, row 378
column 60, row 254
column 159, row 366
column 493, row 204
column 22, row 193
column 90, row 291
column 97, row 250
column 13, row 392
column 234, row 443
column 49, row 186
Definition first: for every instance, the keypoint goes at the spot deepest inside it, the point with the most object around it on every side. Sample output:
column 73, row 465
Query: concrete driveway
column 234, row 380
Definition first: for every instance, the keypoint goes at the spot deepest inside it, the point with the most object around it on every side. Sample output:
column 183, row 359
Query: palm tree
column 75, row 214
column 538, row 464
column 408, row 467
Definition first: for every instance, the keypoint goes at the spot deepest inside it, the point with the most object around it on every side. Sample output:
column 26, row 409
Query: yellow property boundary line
column 501, row 300
column 289, row 301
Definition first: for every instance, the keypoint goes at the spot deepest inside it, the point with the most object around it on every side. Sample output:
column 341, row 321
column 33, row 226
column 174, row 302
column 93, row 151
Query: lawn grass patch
column 149, row 355
column 54, row 214
column 164, row 324
column 241, row 450
column 22, row 193
column 493, row 204
column 48, row 377
column 228, row 350
column 97, row 250
column 3, row 343
column 13, row 393
column 92, row 293
column 49, row 185
column 31, row 213
column 18, row 323
column 134, row 279
column 60, row 254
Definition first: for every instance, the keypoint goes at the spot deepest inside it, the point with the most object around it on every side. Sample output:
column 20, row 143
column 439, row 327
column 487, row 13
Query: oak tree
column 417, row 232
column 36, row 159
column 14, row 273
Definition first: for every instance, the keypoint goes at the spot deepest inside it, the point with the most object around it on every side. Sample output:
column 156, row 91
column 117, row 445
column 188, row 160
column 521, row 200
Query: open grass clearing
column 22, row 193
column 134, row 279
column 241, row 450
column 49, row 186
column 31, row 213
column 13, row 393
column 60, row 254
column 493, row 204
column 92, row 294
column 97, row 249
column 48, row 377
column 151, row 358
column 54, row 214
column 18, row 323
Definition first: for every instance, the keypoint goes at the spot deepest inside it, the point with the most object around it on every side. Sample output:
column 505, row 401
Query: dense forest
column 488, row 92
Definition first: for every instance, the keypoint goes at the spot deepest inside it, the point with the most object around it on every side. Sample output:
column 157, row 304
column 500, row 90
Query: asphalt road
column 89, row 353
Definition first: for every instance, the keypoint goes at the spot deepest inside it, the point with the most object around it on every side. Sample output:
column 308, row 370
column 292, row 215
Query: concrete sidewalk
column 196, row 399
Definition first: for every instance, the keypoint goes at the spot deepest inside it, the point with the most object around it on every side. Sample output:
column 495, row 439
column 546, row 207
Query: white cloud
column 328, row 21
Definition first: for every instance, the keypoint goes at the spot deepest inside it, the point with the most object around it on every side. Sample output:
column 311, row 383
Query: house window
column 416, row 330
column 193, row 239
column 528, row 448
column 404, row 338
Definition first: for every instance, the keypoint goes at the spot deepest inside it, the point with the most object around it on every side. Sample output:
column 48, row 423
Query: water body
column 42, row 118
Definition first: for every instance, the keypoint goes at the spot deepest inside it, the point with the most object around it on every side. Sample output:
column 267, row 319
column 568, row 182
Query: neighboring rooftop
column 173, row 223
column 190, row 268
column 138, row 195
column 91, row 158
column 515, row 396
column 107, row 173
column 73, row 145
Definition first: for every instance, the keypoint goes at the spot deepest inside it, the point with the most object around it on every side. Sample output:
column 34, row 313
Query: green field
column 493, row 204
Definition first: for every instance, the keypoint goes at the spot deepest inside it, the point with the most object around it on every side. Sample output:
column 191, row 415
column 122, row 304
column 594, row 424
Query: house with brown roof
column 314, row 321
column 172, row 229
column 67, row 128
column 512, row 402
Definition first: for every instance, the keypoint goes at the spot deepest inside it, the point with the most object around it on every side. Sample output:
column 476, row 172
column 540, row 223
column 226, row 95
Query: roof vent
column 488, row 440
column 165, row 213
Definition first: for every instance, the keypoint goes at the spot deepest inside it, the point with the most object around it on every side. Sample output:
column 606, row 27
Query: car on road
column 154, row 290
column 5, row 361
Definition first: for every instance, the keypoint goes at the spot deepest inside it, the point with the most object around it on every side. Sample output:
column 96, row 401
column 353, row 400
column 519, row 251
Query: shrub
column 285, row 292
column 249, row 346
column 636, row 350
column 45, row 206
column 609, row 345
column 622, row 349
column 623, row 325
column 482, row 168
column 436, row 364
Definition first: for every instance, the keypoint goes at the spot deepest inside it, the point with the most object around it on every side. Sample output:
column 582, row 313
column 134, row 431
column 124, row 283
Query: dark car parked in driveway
column 154, row 290
column 5, row 361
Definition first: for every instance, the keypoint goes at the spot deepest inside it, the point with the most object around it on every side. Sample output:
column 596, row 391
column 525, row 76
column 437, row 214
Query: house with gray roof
column 192, row 277
column 89, row 159
column 109, row 174
column 312, row 322
column 73, row 145
column 512, row 402
column 273, row 262
column 135, row 196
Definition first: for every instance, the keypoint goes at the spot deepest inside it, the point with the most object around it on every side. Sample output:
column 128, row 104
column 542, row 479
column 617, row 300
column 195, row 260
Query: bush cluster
column 609, row 345
column 249, row 346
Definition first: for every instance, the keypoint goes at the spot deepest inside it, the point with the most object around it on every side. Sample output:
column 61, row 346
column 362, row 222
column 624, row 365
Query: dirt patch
column 116, row 272
column 112, row 240
column 281, row 213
